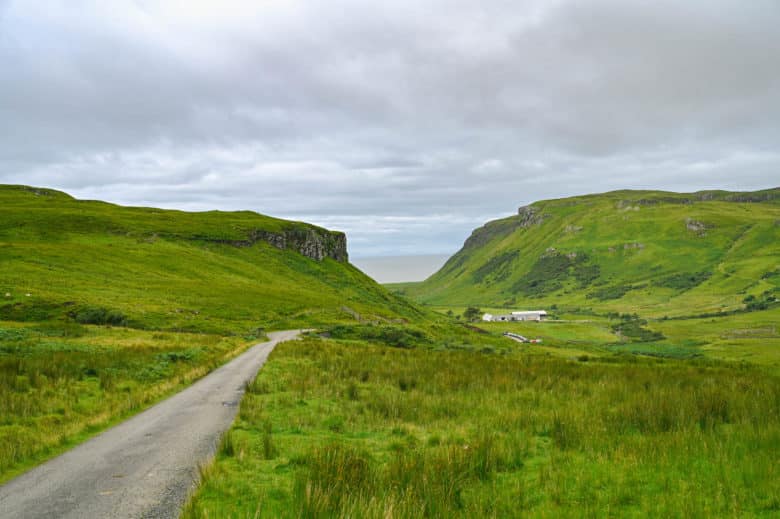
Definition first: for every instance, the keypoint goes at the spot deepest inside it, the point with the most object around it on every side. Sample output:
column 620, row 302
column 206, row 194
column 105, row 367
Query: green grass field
column 348, row 429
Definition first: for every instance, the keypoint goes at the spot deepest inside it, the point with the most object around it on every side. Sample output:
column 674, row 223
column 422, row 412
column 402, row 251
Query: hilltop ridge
column 237, row 228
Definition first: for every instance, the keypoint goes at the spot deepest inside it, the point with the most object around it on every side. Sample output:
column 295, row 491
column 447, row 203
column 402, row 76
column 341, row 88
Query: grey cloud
column 356, row 114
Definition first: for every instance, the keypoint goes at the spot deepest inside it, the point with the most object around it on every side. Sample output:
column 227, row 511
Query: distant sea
column 399, row 269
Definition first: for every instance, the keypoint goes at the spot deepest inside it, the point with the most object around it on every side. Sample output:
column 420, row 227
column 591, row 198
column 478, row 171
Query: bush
column 391, row 335
column 615, row 292
column 551, row 270
column 12, row 334
column 30, row 311
column 753, row 303
column 472, row 313
column 684, row 280
column 586, row 274
column 99, row 315
column 499, row 266
column 634, row 330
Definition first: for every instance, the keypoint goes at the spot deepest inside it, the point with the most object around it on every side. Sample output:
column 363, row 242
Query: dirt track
column 146, row 466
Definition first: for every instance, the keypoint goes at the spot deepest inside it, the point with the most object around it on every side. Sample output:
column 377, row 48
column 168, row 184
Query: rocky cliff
column 312, row 242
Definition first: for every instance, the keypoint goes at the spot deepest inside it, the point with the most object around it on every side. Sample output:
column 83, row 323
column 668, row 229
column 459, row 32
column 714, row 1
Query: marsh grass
column 485, row 435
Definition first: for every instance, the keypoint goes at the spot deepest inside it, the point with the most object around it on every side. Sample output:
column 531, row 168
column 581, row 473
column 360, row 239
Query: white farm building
column 528, row 315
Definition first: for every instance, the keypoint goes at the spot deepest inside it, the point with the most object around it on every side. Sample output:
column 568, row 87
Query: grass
column 346, row 429
column 60, row 384
column 752, row 337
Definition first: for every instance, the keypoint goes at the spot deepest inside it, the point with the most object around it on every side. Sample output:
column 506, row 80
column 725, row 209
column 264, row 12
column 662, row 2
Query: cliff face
column 313, row 243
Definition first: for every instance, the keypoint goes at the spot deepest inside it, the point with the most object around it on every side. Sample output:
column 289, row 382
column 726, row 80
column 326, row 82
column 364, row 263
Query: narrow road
column 144, row 467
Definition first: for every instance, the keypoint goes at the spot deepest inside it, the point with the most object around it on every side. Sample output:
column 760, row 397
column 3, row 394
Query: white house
column 529, row 315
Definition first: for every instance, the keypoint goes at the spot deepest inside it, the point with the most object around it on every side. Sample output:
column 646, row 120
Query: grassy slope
column 629, row 247
column 164, row 273
column 168, row 269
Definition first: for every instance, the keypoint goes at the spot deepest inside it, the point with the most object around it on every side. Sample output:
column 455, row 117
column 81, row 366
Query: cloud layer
column 406, row 124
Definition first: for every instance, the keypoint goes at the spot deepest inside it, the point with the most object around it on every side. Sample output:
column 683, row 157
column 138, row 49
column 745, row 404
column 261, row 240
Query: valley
column 655, row 389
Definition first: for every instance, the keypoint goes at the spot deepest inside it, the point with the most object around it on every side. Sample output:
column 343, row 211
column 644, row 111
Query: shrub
column 472, row 313
column 12, row 334
column 684, row 280
column 391, row 335
column 607, row 293
column 753, row 303
column 499, row 266
column 551, row 270
column 99, row 315
column 30, row 311
column 586, row 274
column 634, row 330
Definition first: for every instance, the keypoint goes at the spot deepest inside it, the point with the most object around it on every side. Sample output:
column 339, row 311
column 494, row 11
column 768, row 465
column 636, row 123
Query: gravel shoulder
column 146, row 466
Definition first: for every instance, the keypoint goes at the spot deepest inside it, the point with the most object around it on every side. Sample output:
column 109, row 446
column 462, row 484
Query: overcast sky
column 404, row 123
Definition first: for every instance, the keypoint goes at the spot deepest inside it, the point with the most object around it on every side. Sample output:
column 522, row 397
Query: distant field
column 746, row 336
column 350, row 429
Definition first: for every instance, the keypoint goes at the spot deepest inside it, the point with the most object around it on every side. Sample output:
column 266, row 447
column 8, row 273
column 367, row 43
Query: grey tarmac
column 146, row 466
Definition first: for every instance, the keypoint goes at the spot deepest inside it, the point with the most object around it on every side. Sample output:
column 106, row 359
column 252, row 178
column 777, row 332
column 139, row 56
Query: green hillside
column 106, row 309
column 650, row 252
column 221, row 272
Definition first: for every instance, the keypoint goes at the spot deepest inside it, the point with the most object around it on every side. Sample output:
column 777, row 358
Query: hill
column 652, row 252
column 221, row 272
column 105, row 309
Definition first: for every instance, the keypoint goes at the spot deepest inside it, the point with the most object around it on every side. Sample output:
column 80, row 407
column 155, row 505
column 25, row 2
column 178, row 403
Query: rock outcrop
column 695, row 226
column 313, row 243
column 529, row 215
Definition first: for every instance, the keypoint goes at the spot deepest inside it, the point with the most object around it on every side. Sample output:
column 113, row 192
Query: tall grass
column 56, row 389
column 475, row 435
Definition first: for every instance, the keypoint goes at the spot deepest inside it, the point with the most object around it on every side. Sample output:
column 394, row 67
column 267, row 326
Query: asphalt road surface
column 144, row 467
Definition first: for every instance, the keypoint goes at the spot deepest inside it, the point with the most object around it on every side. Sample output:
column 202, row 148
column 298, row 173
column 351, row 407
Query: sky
column 400, row 269
column 405, row 124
